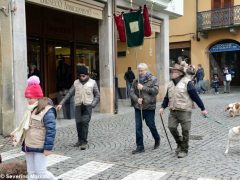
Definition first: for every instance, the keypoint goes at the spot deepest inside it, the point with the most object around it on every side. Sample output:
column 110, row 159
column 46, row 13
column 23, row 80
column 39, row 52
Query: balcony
column 218, row 19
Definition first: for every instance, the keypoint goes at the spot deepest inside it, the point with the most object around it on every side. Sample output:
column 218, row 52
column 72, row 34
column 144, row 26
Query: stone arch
column 225, row 52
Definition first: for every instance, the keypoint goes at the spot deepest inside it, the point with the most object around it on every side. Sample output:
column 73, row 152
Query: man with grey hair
column 143, row 94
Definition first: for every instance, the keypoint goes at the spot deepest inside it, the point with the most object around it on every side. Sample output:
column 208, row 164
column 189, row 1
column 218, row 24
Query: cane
column 165, row 132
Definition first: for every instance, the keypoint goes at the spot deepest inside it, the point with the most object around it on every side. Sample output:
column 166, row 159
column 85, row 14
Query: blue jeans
column 149, row 117
column 200, row 88
column 128, row 89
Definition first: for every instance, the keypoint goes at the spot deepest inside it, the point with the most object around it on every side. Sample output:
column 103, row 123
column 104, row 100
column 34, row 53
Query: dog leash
column 206, row 116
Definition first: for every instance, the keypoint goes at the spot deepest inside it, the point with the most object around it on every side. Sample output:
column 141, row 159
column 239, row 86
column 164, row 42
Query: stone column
column 6, row 71
column 106, row 59
column 14, row 65
column 162, row 55
column 19, row 59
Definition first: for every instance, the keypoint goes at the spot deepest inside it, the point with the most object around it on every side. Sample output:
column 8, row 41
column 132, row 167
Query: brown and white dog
column 233, row 109
column 233, row 137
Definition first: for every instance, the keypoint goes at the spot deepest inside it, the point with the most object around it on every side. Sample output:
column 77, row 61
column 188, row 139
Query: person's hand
column 140, row 86
column 13, row 138
column 47, row 153
column 59, row 107
column 161, row 111
column 140, row 100
column 205, row 113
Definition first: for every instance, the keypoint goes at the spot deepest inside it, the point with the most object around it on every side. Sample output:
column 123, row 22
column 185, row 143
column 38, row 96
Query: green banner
column 134, row 28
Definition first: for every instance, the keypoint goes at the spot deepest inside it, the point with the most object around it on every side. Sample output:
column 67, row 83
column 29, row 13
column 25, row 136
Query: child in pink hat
column 36, row 131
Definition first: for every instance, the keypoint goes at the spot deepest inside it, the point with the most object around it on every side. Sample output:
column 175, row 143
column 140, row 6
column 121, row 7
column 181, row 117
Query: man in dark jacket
column 129, row 77
column 179, row 97
column 199, row 77
column 143, row 95
column 86, row 98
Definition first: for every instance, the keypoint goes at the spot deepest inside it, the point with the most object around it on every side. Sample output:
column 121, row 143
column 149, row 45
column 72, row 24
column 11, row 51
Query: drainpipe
column 198, row 39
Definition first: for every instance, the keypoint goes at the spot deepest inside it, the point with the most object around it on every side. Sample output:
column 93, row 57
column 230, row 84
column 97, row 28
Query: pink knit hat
column 33, row 89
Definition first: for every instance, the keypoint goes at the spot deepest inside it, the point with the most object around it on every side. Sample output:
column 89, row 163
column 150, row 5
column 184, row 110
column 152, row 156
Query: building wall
column 184, row 29
column 135, row 56
column 236, row 2
column 204, row 5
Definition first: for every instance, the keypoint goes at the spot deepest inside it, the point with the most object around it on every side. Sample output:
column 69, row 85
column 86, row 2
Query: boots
column 138, row 150
column 156, row 145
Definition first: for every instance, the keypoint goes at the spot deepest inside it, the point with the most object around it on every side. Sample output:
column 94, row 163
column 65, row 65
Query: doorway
column 58, row 77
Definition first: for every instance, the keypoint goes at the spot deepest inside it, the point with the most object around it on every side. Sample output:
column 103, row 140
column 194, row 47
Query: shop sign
column 64, row 5
column 225, row 47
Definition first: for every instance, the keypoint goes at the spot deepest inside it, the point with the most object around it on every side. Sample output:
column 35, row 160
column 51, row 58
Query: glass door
column 59, row 74
column 88, row 56
column 34, row 58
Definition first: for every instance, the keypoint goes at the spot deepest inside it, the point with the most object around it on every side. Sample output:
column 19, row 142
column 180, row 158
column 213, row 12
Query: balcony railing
column 218, row 19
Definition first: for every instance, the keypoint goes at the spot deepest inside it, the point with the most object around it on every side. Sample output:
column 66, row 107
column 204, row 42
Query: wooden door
column 51, row 72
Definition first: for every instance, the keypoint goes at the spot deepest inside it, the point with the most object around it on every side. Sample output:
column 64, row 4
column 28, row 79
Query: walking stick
column 165, row 132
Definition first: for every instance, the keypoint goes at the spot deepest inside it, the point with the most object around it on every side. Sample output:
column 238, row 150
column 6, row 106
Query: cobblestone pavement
column 112, row 138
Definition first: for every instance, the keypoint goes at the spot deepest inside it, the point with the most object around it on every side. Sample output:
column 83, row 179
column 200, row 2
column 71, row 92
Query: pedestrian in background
column 215, row 83
column 179, row 97
column 199, row 79
column 87, row 96
column 129, row 77
column 227, row 78
column 143, row 94
column 36, row 131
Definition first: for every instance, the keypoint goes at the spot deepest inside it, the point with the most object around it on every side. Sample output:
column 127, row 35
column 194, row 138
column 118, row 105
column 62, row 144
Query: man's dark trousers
column 149, row 117
column 82, row 116
column 183, row 118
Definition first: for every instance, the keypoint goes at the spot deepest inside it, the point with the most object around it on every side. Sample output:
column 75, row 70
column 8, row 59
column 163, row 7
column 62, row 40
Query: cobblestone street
column 112, row 138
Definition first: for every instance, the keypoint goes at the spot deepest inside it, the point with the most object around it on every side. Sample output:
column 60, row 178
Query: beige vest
column 179, row 98
column 84, row 93
column 35, row 135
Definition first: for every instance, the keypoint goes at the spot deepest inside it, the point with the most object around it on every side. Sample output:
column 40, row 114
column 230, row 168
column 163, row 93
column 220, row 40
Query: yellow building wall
column 135, row 56
column 204, row 5
column 184, row 28
column 236, row 2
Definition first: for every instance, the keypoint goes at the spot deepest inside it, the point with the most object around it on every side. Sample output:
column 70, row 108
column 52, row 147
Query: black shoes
column 178, row 149
column 77, row 144
column 156, row 145
column 138, row 150
column 84, row 146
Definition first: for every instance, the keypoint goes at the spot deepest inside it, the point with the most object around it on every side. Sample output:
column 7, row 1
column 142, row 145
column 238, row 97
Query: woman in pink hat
column 36, row 131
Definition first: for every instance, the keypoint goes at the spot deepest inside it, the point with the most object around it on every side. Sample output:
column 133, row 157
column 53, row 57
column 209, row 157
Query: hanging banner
column 225, row 47
column 134, row 28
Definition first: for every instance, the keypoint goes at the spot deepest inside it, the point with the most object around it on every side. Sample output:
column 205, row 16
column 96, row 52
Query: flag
column 134, row 28
column 120, row 27
column 147, row 25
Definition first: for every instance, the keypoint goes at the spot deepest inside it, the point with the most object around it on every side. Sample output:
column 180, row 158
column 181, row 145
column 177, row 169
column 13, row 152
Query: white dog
column 233, row 137
column 233, row 109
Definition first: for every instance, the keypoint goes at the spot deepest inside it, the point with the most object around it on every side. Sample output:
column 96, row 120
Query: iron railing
column 218, row 19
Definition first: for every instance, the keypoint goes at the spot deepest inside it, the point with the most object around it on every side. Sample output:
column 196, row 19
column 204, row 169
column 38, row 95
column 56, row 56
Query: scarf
column 19, row 133
column 145, row 77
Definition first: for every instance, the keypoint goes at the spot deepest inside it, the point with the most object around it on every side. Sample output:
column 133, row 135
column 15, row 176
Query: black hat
column 82, row 70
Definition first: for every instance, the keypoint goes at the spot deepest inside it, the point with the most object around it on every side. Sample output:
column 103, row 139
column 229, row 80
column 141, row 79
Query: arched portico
column 225, row 52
